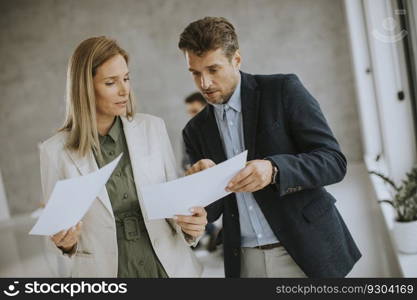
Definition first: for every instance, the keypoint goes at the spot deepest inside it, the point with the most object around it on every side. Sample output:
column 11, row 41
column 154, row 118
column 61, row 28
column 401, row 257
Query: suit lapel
column 212, row 136
column 87, row 165
column 250, row 108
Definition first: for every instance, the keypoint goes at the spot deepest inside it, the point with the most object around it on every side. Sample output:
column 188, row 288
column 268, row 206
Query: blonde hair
column 80, row 120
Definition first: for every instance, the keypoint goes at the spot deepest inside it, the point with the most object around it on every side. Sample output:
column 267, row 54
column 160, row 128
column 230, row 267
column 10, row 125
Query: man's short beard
column 222, row 100
column 227, row 98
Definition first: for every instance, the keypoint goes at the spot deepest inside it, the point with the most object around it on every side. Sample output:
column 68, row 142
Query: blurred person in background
column 194, row 103
column 114, row 239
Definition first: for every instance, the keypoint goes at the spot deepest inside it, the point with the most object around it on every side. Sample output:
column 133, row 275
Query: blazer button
column 235, row 252
column 232, row 215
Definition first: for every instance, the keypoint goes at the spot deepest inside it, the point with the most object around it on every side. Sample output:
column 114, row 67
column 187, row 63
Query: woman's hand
column 194, row 225
column 67, row 239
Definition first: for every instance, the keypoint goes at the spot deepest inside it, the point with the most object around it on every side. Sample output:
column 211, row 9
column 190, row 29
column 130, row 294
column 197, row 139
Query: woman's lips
column 121, row 103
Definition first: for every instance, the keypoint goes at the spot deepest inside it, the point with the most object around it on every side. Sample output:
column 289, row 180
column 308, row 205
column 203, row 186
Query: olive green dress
column 136, row 255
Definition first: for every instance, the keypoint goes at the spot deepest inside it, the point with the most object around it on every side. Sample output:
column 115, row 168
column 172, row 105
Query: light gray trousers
column 273, row 263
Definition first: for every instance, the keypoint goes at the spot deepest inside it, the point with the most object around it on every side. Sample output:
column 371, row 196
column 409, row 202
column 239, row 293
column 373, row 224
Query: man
column 279, row 221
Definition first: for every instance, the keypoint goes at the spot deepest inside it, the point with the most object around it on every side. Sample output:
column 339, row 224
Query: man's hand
column 255, row 176
column 67, row 239
column 194, row 225
column 201, row 165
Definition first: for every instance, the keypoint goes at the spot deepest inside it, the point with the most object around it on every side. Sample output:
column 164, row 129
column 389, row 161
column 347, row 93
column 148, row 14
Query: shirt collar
column 114, row 131
column 234, row 101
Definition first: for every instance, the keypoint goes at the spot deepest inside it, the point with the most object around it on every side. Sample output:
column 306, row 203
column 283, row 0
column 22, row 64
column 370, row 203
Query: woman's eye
column 213, row 71
column 127, row 79
column 109, row 83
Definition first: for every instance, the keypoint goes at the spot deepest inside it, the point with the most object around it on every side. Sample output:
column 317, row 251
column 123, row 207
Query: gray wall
column 305, row 37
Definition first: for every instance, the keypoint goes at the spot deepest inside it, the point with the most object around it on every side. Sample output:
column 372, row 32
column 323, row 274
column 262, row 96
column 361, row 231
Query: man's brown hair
column 209, row 33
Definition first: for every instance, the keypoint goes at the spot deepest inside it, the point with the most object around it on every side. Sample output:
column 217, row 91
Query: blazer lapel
column 250, row 108
column 87, row 165
column 135, row 134
column 137, row 143
column 212, row 136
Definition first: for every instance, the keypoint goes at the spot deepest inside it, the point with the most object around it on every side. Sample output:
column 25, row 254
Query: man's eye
column 196, row 73
column 109, row 83
column 212, row 71
column 127, row 79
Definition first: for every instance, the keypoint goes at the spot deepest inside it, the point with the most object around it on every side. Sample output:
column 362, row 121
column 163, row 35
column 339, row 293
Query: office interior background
column 356, row 57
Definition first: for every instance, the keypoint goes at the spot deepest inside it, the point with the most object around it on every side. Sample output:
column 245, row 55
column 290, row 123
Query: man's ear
column 237, row 59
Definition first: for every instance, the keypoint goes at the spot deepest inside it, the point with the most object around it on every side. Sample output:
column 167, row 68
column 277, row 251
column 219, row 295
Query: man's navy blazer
column 282, row 121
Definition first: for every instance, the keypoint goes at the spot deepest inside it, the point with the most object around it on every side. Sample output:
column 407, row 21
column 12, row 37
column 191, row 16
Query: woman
column 114, row 238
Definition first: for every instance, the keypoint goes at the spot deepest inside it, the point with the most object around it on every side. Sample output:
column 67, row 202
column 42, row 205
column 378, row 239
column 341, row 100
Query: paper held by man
column 176, row 197
column 71, row 198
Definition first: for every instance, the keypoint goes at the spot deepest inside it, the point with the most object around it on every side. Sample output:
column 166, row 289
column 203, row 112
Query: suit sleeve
column 320, row 161
column 215, row 209
column 191, row 149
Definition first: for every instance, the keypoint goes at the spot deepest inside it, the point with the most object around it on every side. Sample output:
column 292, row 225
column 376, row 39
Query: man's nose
column 205, row 82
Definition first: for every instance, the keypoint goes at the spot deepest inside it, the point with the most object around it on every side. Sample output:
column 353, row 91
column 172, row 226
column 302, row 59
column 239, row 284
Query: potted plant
column 404, row 201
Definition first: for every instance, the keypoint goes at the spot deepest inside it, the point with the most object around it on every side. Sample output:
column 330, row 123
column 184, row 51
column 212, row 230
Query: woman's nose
column 123, row 88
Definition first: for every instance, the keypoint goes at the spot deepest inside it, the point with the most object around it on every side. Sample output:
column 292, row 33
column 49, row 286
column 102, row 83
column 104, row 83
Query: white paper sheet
column 176, row 197
column 71, row 199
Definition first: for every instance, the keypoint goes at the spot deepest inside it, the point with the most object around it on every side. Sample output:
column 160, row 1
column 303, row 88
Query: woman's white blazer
column 152, row 162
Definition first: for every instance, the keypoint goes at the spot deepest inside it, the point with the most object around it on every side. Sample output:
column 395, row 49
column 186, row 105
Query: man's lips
column 210, row 92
